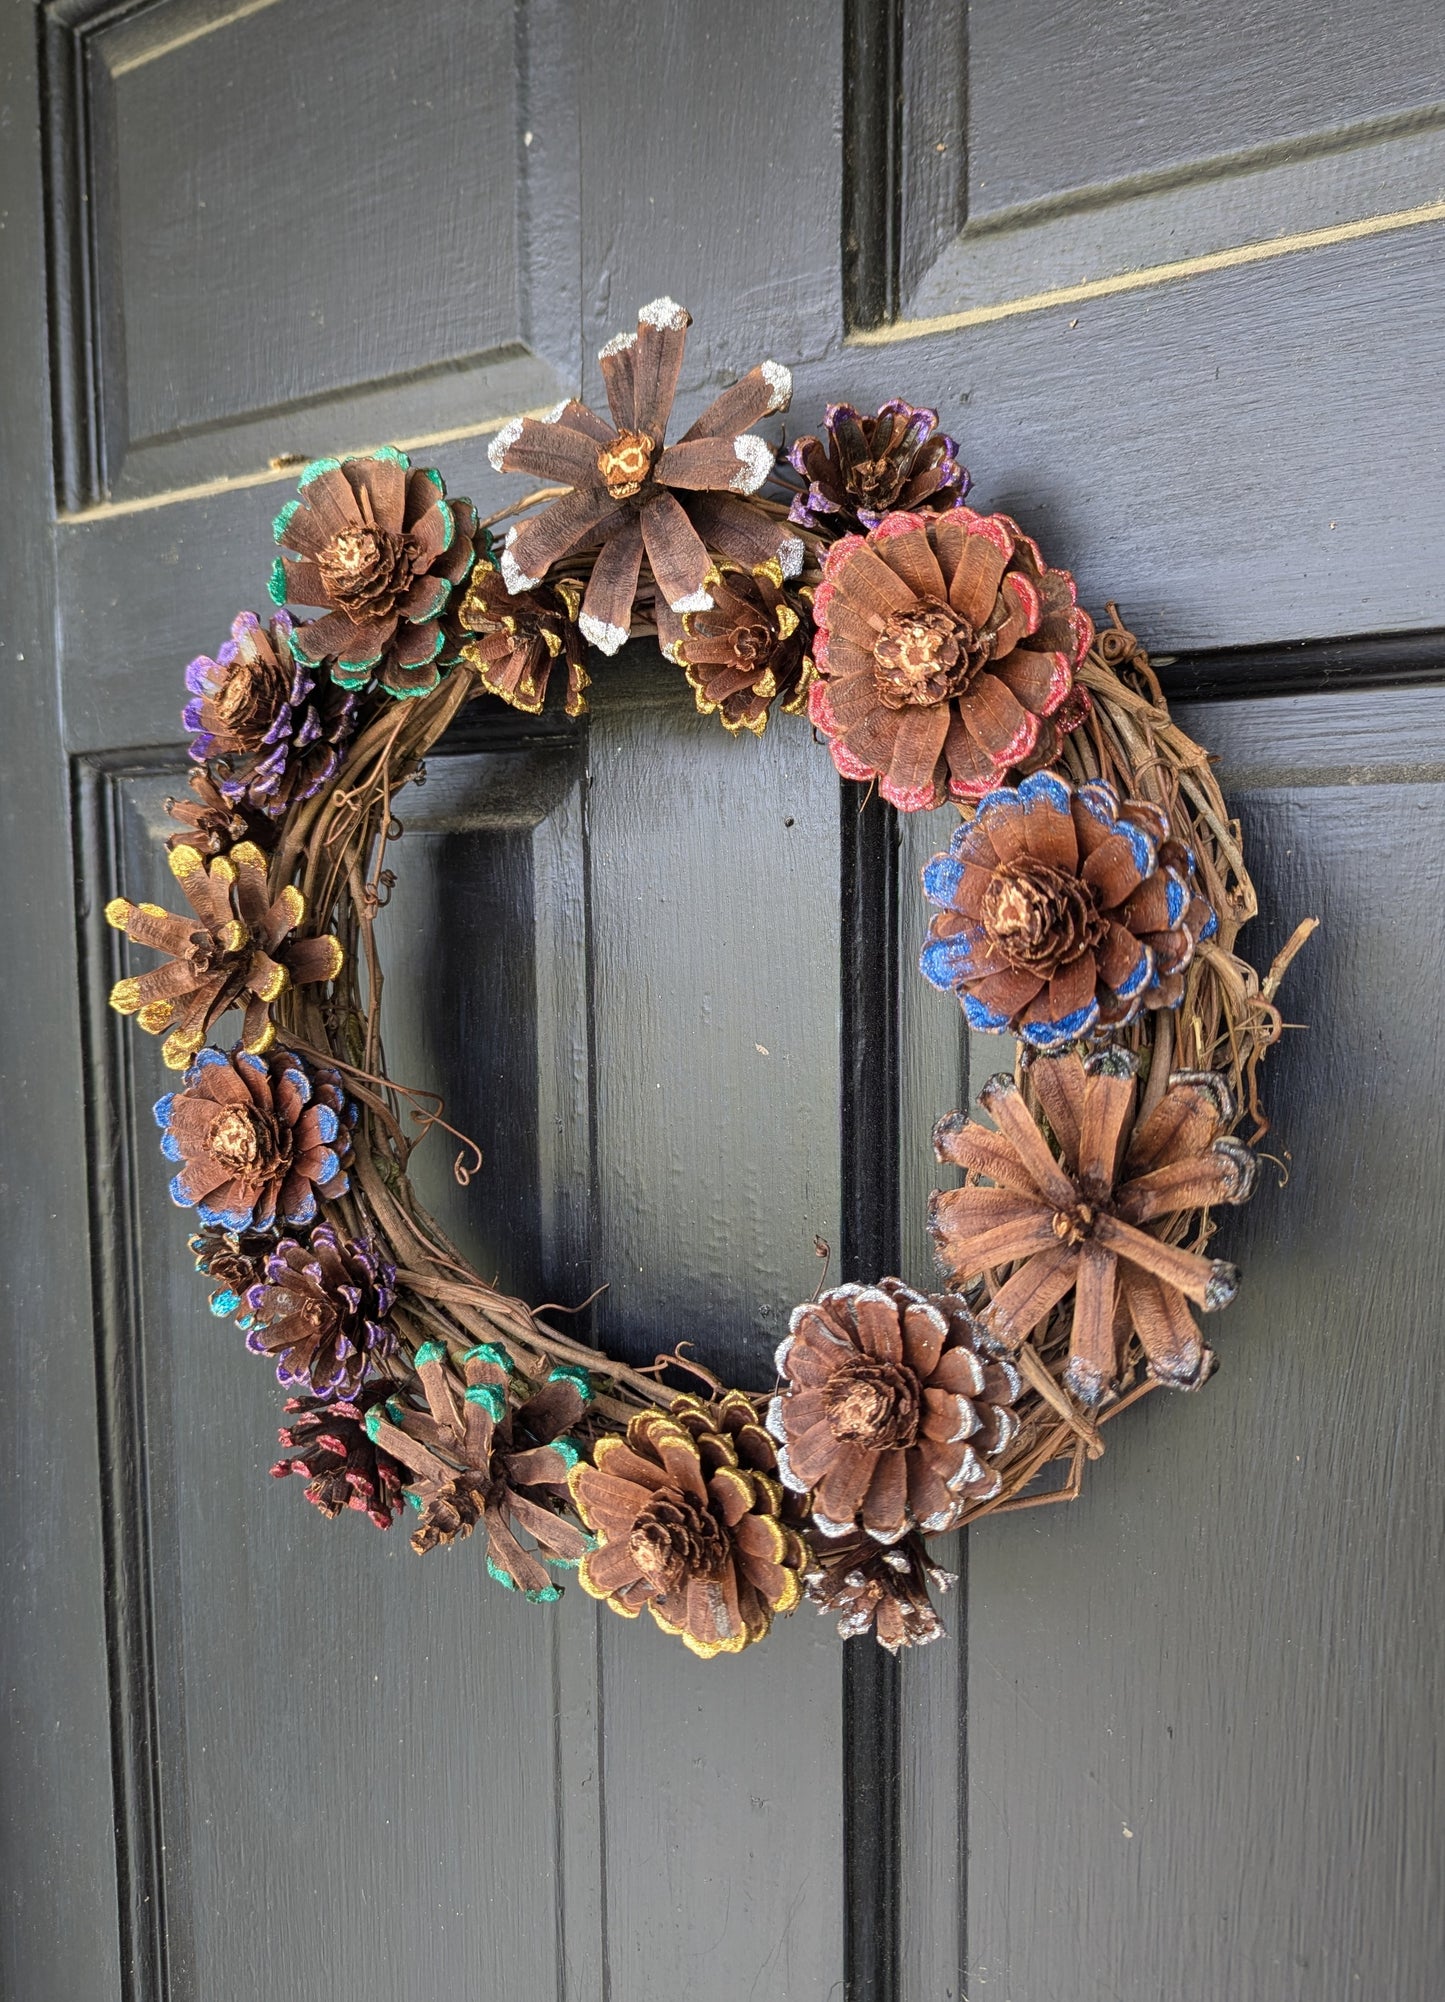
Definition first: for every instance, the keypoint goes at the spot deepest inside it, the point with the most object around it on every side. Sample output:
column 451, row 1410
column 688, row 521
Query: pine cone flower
column 272, row 736
column 334, row 1454
column 688, row 1530
column 320, row 1309
column 946, row 650
column 234, row 1263
column 210, row 823
column 872, row 466
column 749, row 650
column 1076, row 1221
column 521, row 638
column 888, row 1414
column 495, row 1464
column 1063, row 910
column 884, row 1589
column 235, row 952
column 258, row 1138
column 381, row 549
column 633, row 493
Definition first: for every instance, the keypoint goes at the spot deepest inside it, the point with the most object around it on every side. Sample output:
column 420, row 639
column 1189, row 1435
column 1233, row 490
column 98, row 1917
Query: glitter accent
column 666, row 313
column 755, row 461
column 554, row 415
column 790, row 556
column 606, row 639
column 515, row 578
column 780, row 382
column 695, row 601
column 617, row 345
column 505, row 439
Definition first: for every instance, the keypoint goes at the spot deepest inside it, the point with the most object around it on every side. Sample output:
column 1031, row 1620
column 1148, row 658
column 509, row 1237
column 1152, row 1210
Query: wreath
column 1088, row 903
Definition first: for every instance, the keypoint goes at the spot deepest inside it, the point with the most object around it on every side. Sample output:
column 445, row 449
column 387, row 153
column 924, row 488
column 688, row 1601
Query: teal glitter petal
column 413, row 1499
column 578, row 1377
column 545, row 1595
column 494, row 1570
column 411, row 694
column 283, row 520
column 568, row 1450
column 276, row 583
column 451, row 526
column 316, row 469
column 491, row 1352
column 390, row 453
column 225, row 1303
column 354, row 679
column 436, row 479
column 373, row 1425
column 491, row 1397
column 394, row 1411
column 430, row 1352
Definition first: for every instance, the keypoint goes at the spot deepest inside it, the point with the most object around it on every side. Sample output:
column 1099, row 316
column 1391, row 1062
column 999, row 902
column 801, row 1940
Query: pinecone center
column 872, row 1403
column 923, row 656
column 239, row 1142
column 365, row 569
column 752, row 643
column 675, row 1538
column 626, row 463
column 876, row 481
column 1073, row 1226
column 1040, row 918
column 244, row 696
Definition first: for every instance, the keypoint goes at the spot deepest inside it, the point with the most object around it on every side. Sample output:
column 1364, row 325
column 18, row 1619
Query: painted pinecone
column 1076, row 1220
column 877, row 1588
column 320, row 1308
column 210, row 823
column 946, row 650
column 236, row 950
column 271, row 736
column 688, row 1530
column 502, row 1467
column 889, row 1416
column 867, row 467
column 232, row 1263
column 1064, row 910
column 259, row 1138
column 747, row 652
column 516, row 640
column 381, row 549
column 342, row 1466
column 633, row 494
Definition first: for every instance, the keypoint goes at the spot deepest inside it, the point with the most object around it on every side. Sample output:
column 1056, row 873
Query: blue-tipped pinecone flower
column 258, row 1138
column 871, row 466
column 271, row 736
column 1063, row 910
column 382, row 550
column 320, row 1309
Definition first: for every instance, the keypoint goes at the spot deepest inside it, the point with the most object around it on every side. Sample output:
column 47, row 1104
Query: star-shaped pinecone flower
column 381, row 548
column 879, row 1588
column 747, row 652
column 342, row 1467
column 320, row 1308
column 237, row 951
column 521, row 637
column 479, row 1459
column 868, row 467
column 632, row 493
column 257, row 1137
column 946, row 651
column 889, row 1416
column 1064, row 910
column 688, row 1529
column 1074, row 1218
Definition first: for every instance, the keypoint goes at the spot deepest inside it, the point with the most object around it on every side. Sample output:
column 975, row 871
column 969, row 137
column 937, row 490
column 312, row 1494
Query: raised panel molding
column 189, row 347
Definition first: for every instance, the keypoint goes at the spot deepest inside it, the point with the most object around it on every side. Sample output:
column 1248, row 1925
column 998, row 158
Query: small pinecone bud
column 869, row 1587
column 233, row 1262
column 871, row 466
column 211, row 823
column 320, row 1309
column 516, row 640
column 342, row 1466
column 449, row 1510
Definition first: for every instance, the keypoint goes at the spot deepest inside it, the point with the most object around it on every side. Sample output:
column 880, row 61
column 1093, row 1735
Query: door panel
column 666, row 982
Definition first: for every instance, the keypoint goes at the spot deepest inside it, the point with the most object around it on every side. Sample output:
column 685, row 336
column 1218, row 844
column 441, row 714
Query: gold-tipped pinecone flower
column 749, row 651
column 520, row 638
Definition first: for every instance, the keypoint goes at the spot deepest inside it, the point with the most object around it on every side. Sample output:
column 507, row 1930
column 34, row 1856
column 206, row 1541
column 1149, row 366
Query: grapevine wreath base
column 1088, row 904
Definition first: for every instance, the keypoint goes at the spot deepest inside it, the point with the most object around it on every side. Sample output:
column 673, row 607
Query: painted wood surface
column 1181, row 1739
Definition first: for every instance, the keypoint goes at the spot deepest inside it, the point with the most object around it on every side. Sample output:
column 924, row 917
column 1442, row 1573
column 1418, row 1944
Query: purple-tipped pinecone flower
column 340, row 1463
column 321, row 1311
column 868, row 467
column 273, row 736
